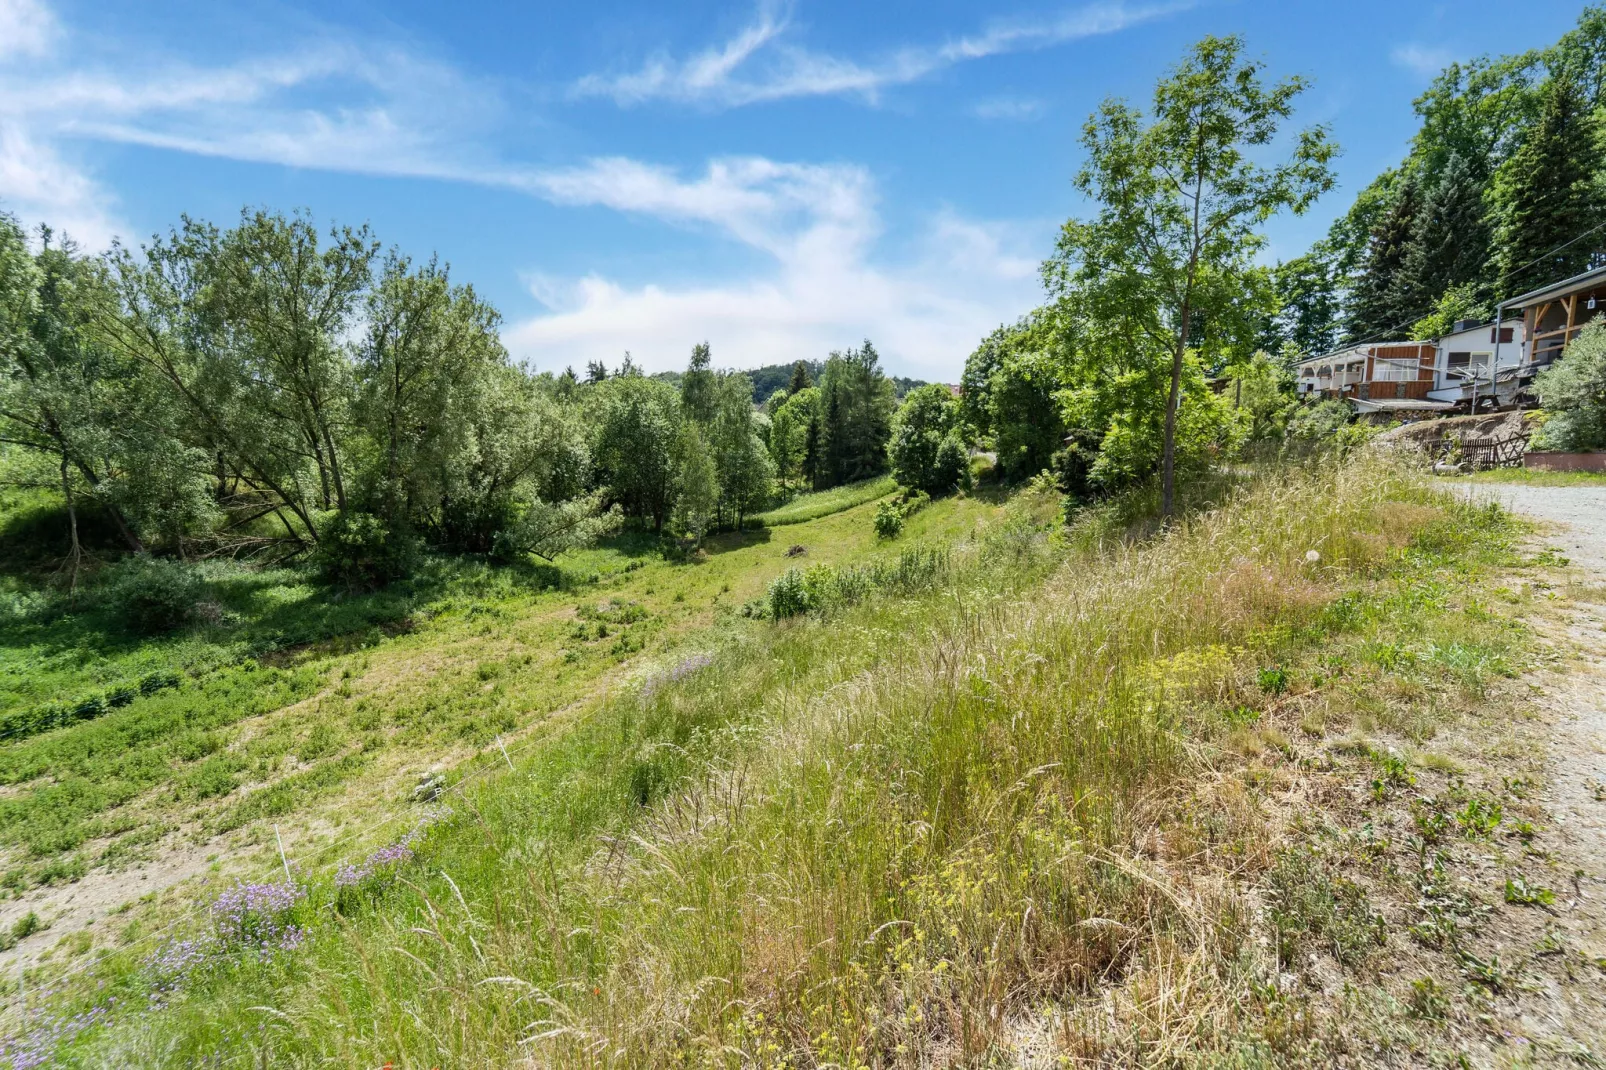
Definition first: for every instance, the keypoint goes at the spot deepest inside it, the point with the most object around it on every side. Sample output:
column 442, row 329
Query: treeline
column 271, row 386
column 1503, row 191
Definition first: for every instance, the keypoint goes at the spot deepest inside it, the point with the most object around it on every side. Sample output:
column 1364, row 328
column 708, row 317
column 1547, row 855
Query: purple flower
column 679, row 672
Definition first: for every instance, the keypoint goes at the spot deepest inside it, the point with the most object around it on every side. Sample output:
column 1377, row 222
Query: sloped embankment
column 899, row 834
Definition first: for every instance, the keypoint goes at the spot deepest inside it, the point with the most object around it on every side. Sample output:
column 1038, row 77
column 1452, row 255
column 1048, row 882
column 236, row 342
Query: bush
column 952, row 466
column 153, row 595
column 1573, row 392
column 1321, row 421
column 359, row 552
column 788, row 595
column 888, row 520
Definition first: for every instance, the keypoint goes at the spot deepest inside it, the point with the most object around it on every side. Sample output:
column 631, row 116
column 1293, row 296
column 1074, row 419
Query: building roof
column 1400, row 405
column 1557, row 289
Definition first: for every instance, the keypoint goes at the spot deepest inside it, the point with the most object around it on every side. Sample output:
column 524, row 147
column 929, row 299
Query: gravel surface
column 1578, row 514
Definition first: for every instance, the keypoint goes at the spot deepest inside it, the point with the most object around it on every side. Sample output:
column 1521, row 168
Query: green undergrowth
column 891, row 831
column 1536, row 477
column 283, row 692
column 821, row 503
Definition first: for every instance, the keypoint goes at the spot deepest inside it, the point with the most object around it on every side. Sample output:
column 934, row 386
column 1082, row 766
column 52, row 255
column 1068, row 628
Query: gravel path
column 1577, row 513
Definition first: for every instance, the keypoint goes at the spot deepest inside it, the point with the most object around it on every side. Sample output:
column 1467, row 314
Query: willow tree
column 1171, row 252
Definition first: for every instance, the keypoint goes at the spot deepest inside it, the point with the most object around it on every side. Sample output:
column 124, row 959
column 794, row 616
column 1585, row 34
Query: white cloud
column 775, row 69
column 37, row 185
column 341, row 106
column 826, row 290
column 1013, row 109
column 1421, row 60
column 26, row 28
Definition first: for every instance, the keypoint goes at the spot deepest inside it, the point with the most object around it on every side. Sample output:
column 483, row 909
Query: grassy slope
column 888, row 837
column 807, row 507
column 346, row 699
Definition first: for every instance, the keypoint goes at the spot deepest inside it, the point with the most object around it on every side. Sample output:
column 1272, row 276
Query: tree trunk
column 1168, row 462
column 75, row 553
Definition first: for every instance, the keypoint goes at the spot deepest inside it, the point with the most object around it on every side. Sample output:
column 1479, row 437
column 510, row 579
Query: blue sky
column 780, row 179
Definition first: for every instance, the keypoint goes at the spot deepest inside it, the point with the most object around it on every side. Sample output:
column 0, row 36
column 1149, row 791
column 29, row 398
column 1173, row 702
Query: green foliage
column 1573, row 392
column 1312, row 909
column 856, row 405
column 1324, row 421
column 888, row 520
column 1165, row 253
column 1458, row 302
column 1551, row 191
column 637, row 421
column 1261, row 393
column 927, row 452
column 152, row 594
column 360, row 552
column 697, row 499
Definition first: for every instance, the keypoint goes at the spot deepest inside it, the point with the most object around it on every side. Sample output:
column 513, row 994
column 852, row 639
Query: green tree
column 424, row 367
column 856, row 404
column 1171, row 251
column 1376, row 310
column 1550, row 195
column 800, row 378
column 1573, row 392
column 1450, row 238
column 697, row 497
column 84, row 410
column 744, row 465
column 1025, row 413
column 697, row 386
column 1308, row 303
column 637, row 423
column 923, row 424
column 1261, row 392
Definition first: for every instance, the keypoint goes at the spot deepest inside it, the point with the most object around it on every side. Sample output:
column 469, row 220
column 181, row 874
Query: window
column 1469, row 363
column 1394, row 371
column 1502, row 334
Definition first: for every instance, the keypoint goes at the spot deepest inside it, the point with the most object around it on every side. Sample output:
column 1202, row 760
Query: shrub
column 360, row 552
column 151, row 594
column 788, row 596
column 1321, row 421
column 888, row 521
column 1573, row 392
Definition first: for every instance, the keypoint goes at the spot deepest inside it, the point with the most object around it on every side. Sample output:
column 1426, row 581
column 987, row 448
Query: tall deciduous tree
column 1172, row 248
column 697, row 386
column 740, row 457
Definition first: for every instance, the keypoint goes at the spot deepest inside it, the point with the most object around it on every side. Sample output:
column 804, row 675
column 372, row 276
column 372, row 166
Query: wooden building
column 1553, row 315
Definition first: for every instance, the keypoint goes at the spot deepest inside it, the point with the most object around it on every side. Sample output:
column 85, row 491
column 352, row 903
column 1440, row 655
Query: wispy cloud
column 827, row 288
column 1013, row 109
column 1420, row 59
column 26, row 28
column 759, row 64
column 367, row 108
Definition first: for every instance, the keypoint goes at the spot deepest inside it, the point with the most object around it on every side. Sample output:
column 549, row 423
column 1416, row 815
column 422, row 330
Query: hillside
column 801, row 840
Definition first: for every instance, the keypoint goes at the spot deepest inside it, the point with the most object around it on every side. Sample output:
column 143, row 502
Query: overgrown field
column 1019, row 813
column 289, row 694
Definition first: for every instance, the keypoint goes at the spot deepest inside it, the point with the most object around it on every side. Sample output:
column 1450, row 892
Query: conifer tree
column 1375, row 306
column 1550, row 194
column 800, row 378
column 1449, row 243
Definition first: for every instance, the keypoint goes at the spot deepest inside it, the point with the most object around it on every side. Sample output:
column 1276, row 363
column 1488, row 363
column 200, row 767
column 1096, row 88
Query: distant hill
column 772, row 377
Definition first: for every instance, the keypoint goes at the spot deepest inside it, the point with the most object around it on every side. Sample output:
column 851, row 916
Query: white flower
column 1312, row 556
